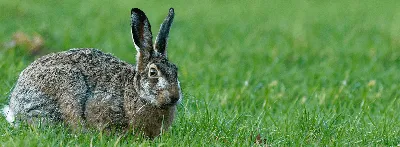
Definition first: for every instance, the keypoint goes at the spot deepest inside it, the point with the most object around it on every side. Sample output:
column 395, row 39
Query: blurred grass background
column 289, row 73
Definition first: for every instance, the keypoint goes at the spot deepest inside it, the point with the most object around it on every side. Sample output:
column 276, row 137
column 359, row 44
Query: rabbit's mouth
column 173, row 102
column 168, row 102
column 168, row 105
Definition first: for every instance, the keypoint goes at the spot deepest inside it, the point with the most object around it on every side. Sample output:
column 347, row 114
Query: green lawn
column 319, row 73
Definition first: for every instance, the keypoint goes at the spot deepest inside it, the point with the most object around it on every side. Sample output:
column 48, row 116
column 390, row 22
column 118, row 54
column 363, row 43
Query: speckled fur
column 89, row 88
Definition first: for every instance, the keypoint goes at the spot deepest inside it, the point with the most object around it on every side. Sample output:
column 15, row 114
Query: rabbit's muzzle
column 169, row 97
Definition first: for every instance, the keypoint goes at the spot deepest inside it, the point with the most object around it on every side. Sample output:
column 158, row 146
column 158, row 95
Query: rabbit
column 89, row 88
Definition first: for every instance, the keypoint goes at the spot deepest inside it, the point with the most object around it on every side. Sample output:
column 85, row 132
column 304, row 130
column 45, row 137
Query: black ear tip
column 137, row 11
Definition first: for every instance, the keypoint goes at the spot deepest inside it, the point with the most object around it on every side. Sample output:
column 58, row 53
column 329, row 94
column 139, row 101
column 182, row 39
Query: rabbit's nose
column 175, row 94
column 174, row 100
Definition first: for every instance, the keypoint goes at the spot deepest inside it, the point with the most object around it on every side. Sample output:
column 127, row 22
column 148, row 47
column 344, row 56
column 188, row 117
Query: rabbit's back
column 72, row 85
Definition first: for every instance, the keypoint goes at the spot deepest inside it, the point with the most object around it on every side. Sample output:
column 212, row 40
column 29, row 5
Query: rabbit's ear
column 162, row 38
column 142, row 37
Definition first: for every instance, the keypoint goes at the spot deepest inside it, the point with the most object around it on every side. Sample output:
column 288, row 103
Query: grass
column 293, row 73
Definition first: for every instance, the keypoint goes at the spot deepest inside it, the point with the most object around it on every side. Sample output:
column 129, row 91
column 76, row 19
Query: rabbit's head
column 156, row 79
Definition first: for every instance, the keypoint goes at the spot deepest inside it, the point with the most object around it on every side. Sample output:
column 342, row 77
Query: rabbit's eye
column 153, row 72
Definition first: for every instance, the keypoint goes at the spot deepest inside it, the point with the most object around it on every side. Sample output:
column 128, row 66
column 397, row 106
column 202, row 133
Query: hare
column 89, row 88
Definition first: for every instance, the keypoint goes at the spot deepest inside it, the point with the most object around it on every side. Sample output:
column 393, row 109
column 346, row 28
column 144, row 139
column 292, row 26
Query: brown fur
column 96, row 88
column 88, row 88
